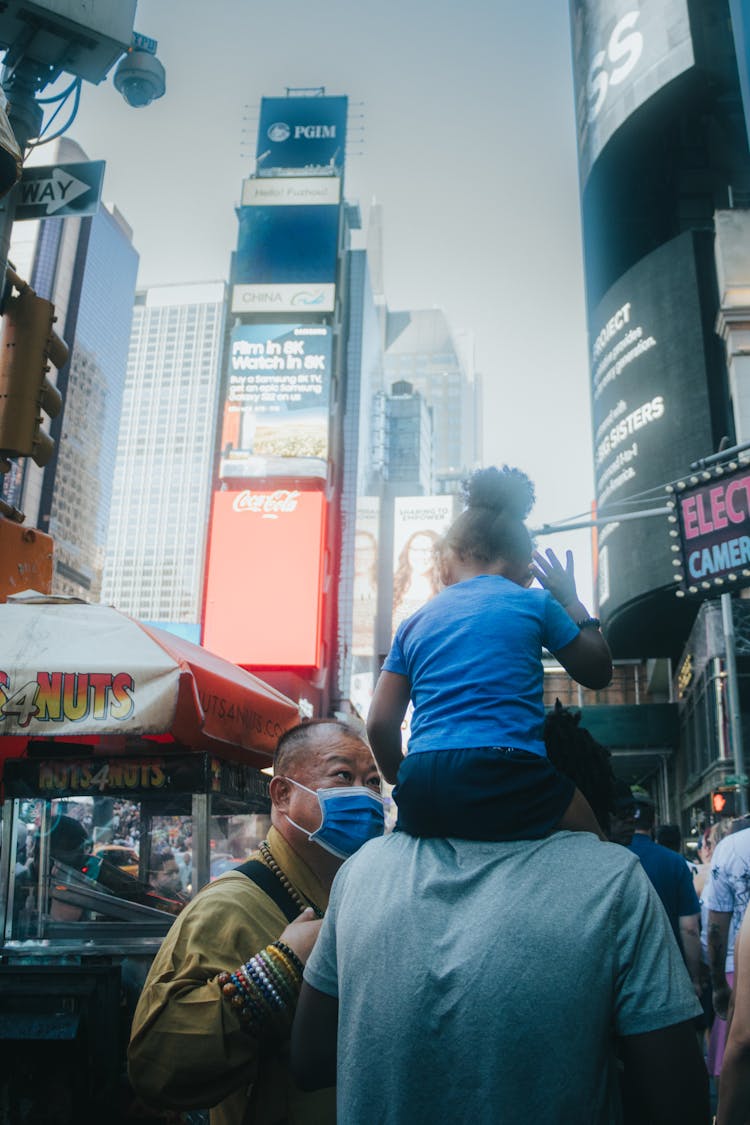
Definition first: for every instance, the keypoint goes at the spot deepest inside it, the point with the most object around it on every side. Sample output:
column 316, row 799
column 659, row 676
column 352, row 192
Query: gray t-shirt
column 486, row 982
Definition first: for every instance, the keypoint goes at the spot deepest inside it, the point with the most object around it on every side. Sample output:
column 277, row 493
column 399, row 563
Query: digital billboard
column 276, row 404
column 306, row 134
column 264, row 577
column 418, row 525
column 652, row 418
column 287, row 245
column 713, row 515
column 624, row 51
column 302, row 297
column 286, row 191
column 365, row 584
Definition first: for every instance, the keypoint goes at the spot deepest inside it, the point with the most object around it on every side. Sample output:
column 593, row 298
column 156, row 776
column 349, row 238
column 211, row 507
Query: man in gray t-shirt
column 464, row 981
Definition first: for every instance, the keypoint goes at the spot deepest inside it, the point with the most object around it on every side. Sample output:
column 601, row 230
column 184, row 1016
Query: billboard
column 286, row 191
column 624, row 51
column 365, row 584
column 713, row 515
column 297, row 298
column 276, row 405
column 305, row 134
column 264, row 577
column 651, row 418
column 418, row 525
column 287, row 245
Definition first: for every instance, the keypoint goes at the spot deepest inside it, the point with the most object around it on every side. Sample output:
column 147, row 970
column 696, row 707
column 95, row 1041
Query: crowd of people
column 519, row 949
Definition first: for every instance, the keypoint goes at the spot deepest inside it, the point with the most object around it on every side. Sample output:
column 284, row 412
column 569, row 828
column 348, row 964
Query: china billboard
column 624, row 51
column 276, row 403
column 651, row 363
column 264, row 577
column 307, row 133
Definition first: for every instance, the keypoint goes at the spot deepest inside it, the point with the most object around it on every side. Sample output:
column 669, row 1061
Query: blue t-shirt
column 473, row 658
column 671, row 878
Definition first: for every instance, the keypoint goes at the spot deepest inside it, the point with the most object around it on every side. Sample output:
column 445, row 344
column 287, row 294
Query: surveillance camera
column 140, row 78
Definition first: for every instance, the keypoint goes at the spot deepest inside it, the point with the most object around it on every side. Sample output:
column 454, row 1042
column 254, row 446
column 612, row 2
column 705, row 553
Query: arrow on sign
column 58, row 190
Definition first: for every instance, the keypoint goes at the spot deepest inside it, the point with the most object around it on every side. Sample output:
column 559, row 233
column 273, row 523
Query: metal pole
column 602, row 521
column 20, row 85
column 733, row 697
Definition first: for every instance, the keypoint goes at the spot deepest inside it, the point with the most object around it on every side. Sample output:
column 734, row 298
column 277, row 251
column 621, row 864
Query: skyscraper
column 160, row 501
column 421, row 350
column 87, row 267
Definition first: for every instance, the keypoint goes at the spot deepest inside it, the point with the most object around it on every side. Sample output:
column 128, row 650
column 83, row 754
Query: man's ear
column 280, row 792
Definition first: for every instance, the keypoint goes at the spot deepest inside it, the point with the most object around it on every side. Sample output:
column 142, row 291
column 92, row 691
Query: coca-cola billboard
column 264, row 577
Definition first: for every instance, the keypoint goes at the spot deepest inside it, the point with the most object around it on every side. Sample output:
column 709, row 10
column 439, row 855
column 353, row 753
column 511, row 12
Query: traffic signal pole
column 733, row 699
column 20, row 84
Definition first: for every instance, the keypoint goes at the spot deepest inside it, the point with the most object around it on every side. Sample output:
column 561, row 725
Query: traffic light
column 724, row 801
column 28, row 344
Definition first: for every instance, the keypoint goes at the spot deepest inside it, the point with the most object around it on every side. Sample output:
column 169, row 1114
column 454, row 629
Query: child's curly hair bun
column 503, row 490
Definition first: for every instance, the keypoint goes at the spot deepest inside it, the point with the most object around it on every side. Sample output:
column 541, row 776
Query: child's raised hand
column 550, row 573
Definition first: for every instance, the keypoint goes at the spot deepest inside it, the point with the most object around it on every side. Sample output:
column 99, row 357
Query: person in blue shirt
column 673, row 882
column 470, row 660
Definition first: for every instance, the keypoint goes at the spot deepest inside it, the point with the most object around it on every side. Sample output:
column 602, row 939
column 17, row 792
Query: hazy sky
column 468, row 142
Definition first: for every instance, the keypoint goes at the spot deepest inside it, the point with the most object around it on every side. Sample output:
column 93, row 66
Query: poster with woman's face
column 419, row 522
column 365, row 585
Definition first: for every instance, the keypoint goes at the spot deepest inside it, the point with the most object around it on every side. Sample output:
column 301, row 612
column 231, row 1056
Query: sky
column 461, row 125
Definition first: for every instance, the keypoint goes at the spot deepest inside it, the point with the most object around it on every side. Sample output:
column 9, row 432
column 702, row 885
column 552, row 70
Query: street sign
column 57, row 191
column 736, row 779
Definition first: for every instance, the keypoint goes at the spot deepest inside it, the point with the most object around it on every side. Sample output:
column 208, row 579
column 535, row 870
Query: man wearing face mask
column 212, row 1025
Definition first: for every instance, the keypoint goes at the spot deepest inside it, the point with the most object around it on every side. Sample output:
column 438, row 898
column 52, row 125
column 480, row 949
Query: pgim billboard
column 624, row 51
column 264, row 577
column 301, row 133
column 276, row 401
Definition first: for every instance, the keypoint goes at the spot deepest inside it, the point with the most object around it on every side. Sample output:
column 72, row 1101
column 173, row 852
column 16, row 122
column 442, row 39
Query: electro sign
column 308, row 134
column 624, row 51
column 651, row 416
column 276, row 407
column 713, row 515
column 264, row 577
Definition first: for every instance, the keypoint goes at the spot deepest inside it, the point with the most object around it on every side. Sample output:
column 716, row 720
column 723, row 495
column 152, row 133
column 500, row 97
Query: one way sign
column 59, row 190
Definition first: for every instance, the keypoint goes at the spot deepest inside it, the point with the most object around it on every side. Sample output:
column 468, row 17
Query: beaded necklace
column 296, row 896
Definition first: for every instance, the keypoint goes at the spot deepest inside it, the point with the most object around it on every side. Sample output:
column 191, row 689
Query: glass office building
column 160, row 501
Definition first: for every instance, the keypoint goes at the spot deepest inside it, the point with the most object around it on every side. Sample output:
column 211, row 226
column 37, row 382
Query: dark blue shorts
column 485, row 793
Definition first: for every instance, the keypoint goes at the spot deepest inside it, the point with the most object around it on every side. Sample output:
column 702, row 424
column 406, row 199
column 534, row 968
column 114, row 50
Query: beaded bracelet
column 265, row 988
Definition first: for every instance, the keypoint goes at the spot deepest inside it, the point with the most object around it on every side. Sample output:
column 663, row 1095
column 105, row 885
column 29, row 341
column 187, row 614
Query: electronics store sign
column 291, row 191
column 650, row 411
column 283, row 298
column 713, row 515
column 623, row 53
column 304, row 133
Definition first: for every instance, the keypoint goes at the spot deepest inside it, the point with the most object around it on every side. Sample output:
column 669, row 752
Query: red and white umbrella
column 77, row 671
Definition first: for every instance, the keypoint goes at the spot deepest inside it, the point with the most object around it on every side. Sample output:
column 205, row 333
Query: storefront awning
column 81, row 672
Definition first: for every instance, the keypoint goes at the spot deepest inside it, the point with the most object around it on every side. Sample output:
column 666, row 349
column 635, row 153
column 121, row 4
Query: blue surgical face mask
column 352, row 815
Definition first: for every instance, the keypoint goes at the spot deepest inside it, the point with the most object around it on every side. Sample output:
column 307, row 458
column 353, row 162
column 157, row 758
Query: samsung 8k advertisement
column 276, row 408
column 651, row 416
column 264, row 577
column 307, row 134
column 624, row 51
